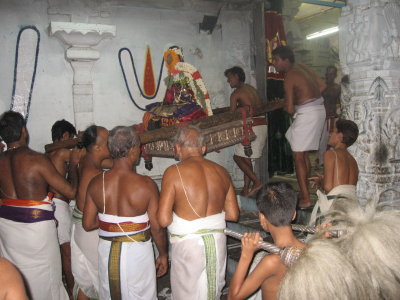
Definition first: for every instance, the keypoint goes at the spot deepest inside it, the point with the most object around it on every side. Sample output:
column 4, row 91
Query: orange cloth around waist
column 19, row 202
column 257, row 121
column 125, row 226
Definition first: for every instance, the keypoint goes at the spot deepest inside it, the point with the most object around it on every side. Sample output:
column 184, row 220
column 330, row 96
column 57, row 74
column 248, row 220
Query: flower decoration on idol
column 173, row 56
column 177, row 68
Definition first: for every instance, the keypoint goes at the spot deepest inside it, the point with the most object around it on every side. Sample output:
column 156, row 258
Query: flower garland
column 195, row 81
column 171, row 54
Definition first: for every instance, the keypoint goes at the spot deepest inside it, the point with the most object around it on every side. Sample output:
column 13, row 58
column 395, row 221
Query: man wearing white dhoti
column 63, row 130
column 197, row 197
column 123, row 204
column 84, row 259
column 28, row 235
column 303, row 100
column 340, row 170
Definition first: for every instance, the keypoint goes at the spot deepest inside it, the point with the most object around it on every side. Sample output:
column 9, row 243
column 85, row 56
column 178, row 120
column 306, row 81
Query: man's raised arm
column 58, row 182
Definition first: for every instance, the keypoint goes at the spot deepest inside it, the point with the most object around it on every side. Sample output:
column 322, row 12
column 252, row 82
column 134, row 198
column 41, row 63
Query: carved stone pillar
column 370, row 53
column 81, row 37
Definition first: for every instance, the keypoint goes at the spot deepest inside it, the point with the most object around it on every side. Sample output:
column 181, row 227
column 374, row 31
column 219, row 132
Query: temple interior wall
column 137, row 28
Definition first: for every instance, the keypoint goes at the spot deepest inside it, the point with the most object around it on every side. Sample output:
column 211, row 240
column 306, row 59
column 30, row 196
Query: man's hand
column 317, row 181
column 250, row 243
column 161, row 265
column 325, row 226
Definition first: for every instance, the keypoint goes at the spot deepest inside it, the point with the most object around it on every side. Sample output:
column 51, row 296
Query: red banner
column 274, row 37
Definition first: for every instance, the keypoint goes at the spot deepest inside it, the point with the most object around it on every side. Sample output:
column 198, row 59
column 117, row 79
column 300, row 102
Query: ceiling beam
column 324, row 3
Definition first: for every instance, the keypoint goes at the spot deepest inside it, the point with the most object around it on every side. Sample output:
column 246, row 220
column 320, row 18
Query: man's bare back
column 340, row 168
column 245, row 95
column 127, row 194
column 121, row 192
column 205, row 189
column 26, row 175
column 206, row 184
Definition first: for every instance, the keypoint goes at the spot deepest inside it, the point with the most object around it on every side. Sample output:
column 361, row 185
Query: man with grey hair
column 197, row 197
column 123, row 204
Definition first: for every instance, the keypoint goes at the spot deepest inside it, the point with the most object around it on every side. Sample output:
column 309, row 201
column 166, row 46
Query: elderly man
column 28, row 234
column 197, row 197
column 123, row 204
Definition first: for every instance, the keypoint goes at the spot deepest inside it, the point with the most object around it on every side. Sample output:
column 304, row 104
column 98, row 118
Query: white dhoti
column 33, row 248
column 126, row 258
column 198, row 257
column 257, row 145
column 325, row 202
column 84, row 258
column 306, row 130
column 64, row 217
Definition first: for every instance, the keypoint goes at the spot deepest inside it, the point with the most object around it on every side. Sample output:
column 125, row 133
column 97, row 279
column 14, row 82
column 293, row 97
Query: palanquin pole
column 167, row 133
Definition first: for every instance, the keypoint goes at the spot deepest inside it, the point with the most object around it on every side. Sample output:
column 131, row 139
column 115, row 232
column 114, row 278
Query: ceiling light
column 322, row 33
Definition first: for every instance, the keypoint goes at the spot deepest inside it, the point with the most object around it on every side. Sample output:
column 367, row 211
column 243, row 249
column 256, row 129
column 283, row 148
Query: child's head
column 349, row 129
column 277, row 203
column 345, row 132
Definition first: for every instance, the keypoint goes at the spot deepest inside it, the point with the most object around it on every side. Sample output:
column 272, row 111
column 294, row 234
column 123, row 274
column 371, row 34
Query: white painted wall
column 137, row 27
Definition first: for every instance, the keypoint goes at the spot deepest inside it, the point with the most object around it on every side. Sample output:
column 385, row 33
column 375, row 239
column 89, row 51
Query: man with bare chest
column 304, row 102
column 63, row 130
column 245, row 95
column 277, row 209
column 28, row 234
column 123, row 205
column 84, row 244
column 197, row 197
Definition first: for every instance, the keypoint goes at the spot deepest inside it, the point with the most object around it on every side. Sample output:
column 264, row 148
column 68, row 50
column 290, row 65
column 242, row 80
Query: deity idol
column 186, row 97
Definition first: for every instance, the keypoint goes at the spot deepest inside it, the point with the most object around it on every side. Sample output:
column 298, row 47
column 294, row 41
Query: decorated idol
column 186, row 97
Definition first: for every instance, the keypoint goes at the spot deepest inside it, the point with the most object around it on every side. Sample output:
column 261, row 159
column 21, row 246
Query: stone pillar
column 370, row 54
column 81, row 37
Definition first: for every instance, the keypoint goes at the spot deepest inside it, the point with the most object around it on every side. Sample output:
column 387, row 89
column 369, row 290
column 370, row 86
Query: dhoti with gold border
column 28, row 238
column 198, row 257
column 126, row 258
